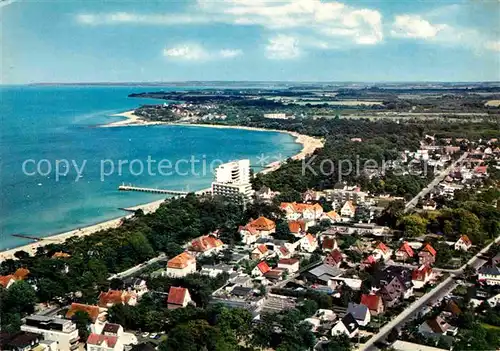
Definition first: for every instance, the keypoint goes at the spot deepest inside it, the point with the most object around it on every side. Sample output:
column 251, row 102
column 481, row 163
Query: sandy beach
column 309, row 145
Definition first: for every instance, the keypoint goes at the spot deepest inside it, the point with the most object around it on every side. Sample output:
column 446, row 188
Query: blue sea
column 59, row 172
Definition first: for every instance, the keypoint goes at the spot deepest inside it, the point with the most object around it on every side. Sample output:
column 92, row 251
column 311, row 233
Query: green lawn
column 489, row 326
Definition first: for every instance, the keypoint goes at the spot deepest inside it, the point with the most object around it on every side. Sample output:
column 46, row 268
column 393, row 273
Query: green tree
column 413, row 225
column 82, row 321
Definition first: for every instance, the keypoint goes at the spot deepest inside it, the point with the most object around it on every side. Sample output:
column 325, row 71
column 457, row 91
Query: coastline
column 309, row 145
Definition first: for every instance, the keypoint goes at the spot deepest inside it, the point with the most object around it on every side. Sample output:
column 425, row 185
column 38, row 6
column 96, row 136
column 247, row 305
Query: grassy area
column 489, row 326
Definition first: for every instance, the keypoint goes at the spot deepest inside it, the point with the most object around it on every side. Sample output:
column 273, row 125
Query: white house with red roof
column 298, row 227
column 259, row 252
column 261, row 269
column 181, row 265
column 178, row 297
column 101, row 342
column 348, row 210
column 463, row 243
column 421, row 276
column 307, row 212
column 382, row 252
column 331, row 216
column 290, row 264
column 206, row 245
column 260, row 227
column 427, row 255
column 308, row 243
column 405, row 252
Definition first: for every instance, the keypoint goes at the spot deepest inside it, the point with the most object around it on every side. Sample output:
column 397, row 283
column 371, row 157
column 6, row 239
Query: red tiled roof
column 310, row 238
column 336, row 255
column 5, row 279
column 382, row 247
column 370, row 301
column 205, row 243
column 176, row 295
column 407, row 248
column 263, row 267
column 61, row 254
column 466, row 240
column 99, row 339
column 284, row 251
column 481, row 169
column 328, row 243
column 421, row 272
column 21, row 273
column 93, row 311
column 262, row 248
column 429, row 249
column 262, row 223
column 296, row 226
column 248, row 228
column 370, row 260
column 110, row 297
column 299, row 207
column 180, row 261
column 288, row 261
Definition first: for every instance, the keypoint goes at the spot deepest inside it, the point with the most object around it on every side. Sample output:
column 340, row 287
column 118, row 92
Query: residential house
column 321, row 319
column 307, row 212
column 494, row 300
column 347, row 326
column 360, row 312
column 261, row 269
column 139, row 286
column 100, row 342
column 206, row 245
column 290, row 264
column 395, row 284
column 421, row 276
column 489, row 274
column 283, row 252
column 429, row 205
column 331, row 216
column 328, row 244
column 308, row 243
column 20, row 341
column 96, row 314
column 7, row 280
column 257, row 228
column 114, row 297
column 249, row 234
column 352, row 282
column 382, row 252
column 21, row 273
column 62, row 331
column 463, row 243
column 436, row 327
column 181, row 265
column 427, row 255
column 215, row 270
column 178, row 297
column 405, row 252
column 368, row 262
column 323, row 274
column 275, row 274
column 112, row 329
column 297, row 228
column 265, row 194
column 374, row 303
column 334, row 258
column 60, row 254
column 259, row 252
column 348, row 210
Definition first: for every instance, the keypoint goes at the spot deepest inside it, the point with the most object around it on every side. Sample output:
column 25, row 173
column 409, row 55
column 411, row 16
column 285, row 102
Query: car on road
column 145, row 335
column 153, row 335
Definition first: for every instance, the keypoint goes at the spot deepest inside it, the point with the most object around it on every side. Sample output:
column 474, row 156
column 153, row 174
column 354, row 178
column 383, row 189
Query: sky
column 249, row 40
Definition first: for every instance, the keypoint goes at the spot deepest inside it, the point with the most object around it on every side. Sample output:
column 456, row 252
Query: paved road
column 413, row 202
column 139, row 267
column 420, row 306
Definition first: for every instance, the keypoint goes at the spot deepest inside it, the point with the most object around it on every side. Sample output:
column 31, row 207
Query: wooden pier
column 152, row 190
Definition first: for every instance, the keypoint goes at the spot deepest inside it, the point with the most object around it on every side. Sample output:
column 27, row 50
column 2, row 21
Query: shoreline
column 309, row 145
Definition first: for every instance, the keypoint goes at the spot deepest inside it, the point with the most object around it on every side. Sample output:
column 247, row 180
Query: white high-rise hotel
column 233, row 180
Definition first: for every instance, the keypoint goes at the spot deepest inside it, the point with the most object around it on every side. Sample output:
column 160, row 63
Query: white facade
column 233, row 180
column 340, row 329
column 63, row 331
column 292, row 267
column 181, row 272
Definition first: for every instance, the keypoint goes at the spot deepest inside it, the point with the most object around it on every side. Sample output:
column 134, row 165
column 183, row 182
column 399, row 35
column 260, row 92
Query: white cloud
column 195, row 52
column 334, row 23
column 282, row 47
column 414, row 26
column 230, row 53
column 186, row 52
column 493, row 45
